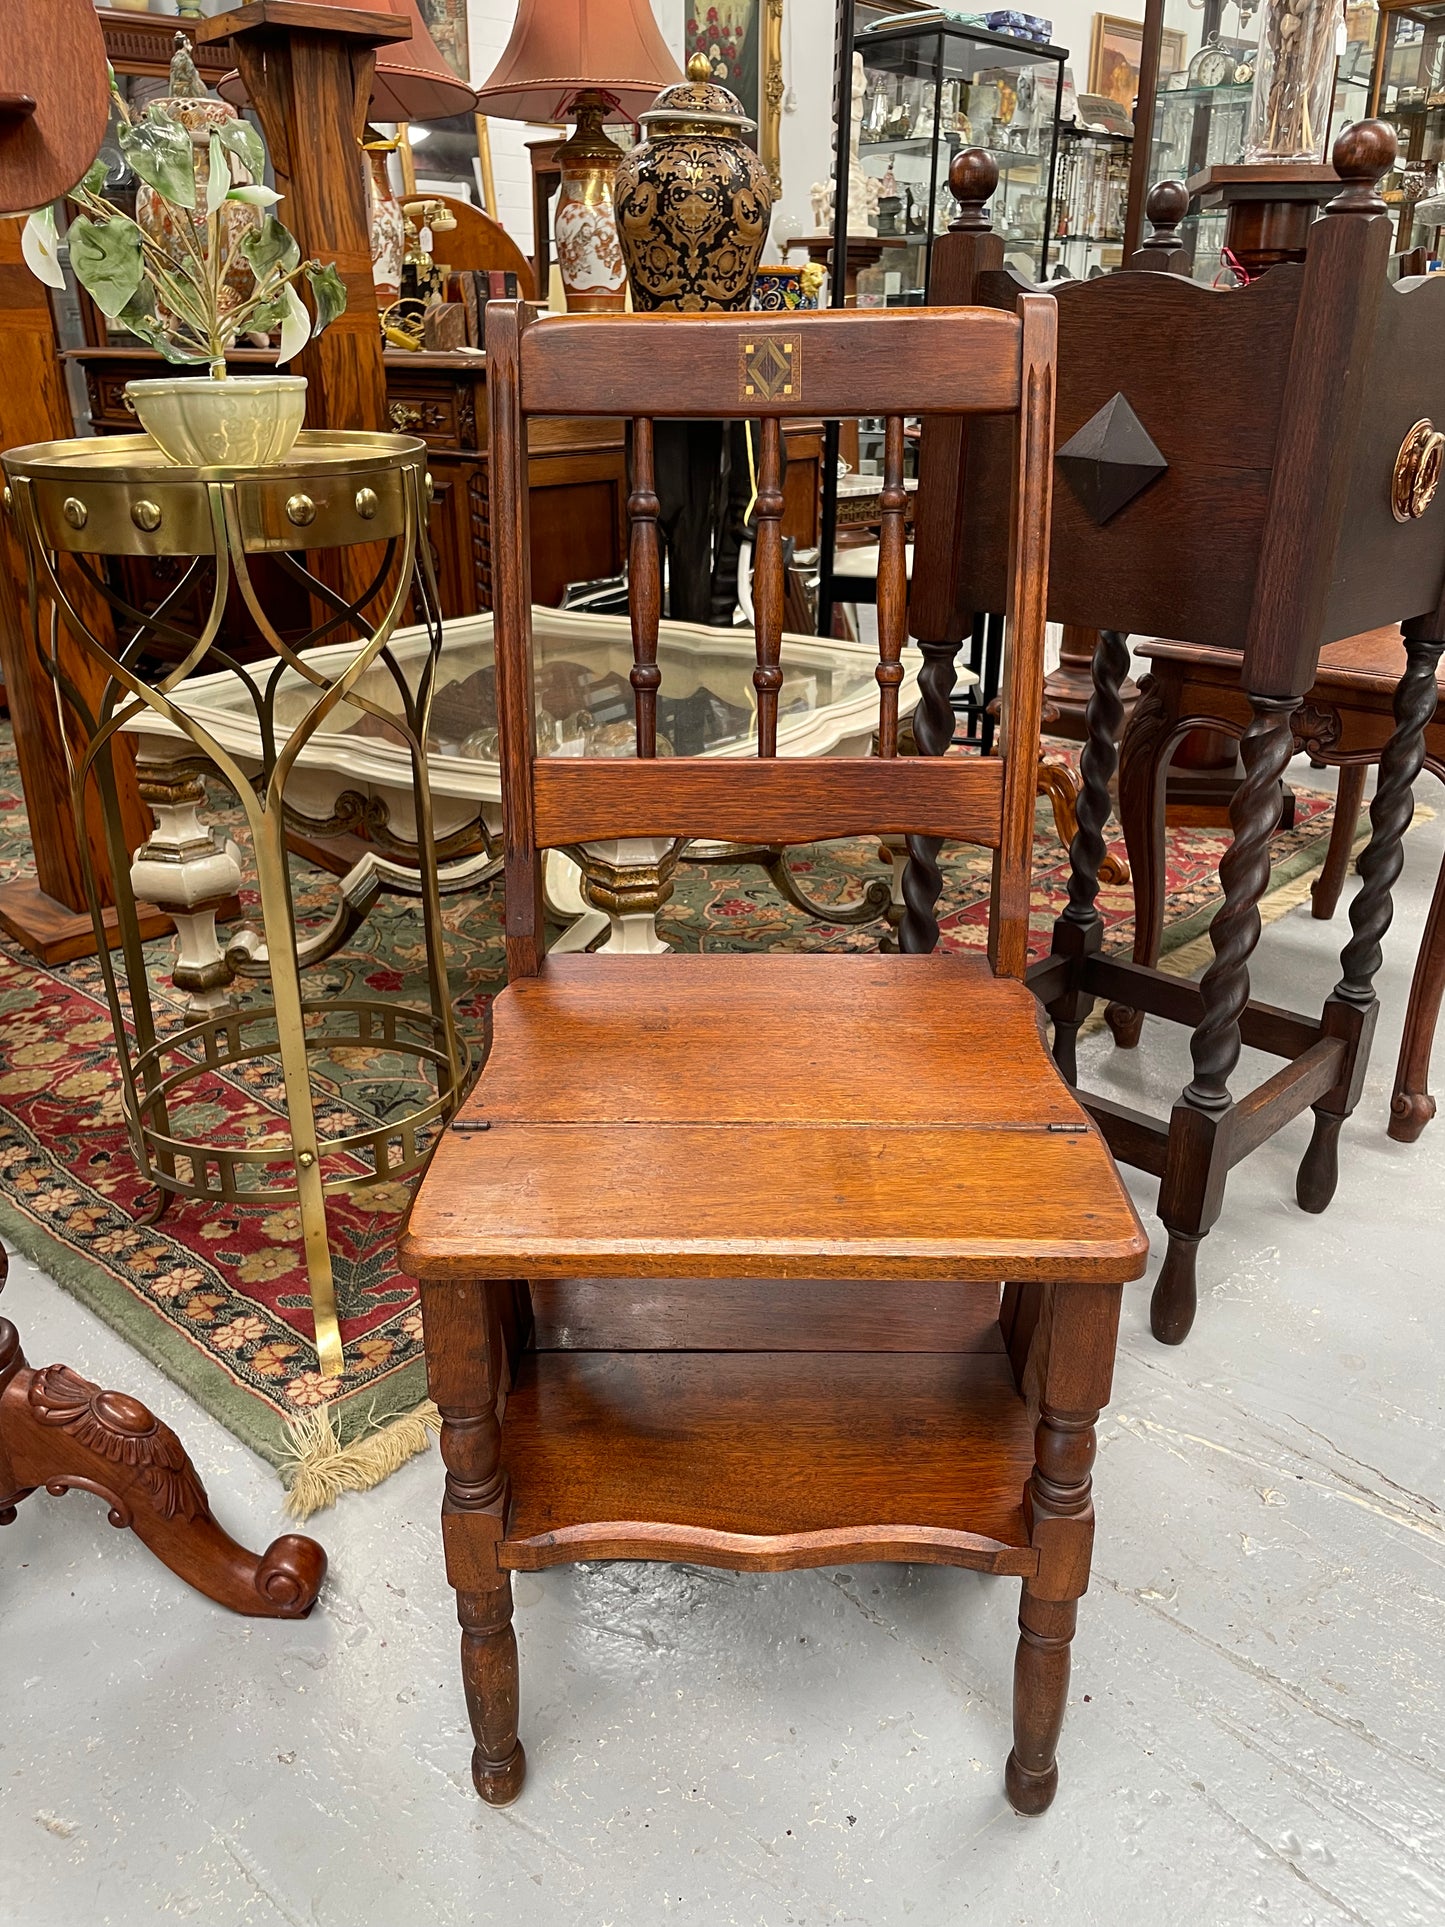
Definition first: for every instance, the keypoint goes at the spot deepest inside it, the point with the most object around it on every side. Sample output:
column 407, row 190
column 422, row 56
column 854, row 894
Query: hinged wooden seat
column 853, row 1116
column 769, row 1261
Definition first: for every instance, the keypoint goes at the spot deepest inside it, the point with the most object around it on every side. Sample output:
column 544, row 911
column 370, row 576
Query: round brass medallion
column 1417, row 471
column 146, row 515
column 75, row 512
column 301, row 510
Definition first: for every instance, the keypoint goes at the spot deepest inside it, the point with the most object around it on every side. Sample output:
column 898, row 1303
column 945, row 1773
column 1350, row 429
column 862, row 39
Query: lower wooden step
column 762, row 1461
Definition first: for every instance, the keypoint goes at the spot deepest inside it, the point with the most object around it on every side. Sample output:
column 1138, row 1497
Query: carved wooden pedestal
column 59, row 1431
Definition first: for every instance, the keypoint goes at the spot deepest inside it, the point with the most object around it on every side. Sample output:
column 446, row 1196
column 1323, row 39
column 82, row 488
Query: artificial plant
column 169, row 291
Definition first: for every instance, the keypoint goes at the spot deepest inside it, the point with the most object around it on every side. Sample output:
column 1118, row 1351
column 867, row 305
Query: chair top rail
column 950, row 361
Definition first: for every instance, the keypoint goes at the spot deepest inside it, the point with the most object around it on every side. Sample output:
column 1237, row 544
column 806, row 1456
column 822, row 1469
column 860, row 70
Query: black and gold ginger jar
column 693, row 200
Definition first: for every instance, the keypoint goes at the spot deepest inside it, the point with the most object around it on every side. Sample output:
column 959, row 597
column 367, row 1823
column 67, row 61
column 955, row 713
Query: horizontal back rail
column 767, row 800
column 906, row 361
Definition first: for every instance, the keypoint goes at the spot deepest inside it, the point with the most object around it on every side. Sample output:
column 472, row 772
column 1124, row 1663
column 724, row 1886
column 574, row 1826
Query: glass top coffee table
column 349, row 796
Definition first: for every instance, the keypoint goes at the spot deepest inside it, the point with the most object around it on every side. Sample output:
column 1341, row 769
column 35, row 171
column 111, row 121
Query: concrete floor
column 1255, row 1727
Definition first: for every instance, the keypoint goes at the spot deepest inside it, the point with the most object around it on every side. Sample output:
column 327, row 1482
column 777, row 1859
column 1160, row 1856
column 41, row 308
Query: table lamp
column 587, row 61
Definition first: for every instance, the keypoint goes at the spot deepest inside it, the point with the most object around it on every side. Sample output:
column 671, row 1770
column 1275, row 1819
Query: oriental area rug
column 216, row 1297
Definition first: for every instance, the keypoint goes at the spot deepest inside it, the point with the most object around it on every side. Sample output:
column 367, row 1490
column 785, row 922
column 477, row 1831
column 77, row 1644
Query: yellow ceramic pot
column 245, row 421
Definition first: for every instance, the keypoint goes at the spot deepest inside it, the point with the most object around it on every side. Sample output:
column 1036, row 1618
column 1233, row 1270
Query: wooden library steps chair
column 1249, row 470
column 1345, row 721
column 770, row 1261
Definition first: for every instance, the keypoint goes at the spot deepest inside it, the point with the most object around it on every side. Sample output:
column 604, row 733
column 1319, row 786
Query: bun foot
column 1176, row 1292
column 1410, row 1112
column 1028, row 1792
column 499, row 1785
column 1126, row 1024
column 1319, row 1170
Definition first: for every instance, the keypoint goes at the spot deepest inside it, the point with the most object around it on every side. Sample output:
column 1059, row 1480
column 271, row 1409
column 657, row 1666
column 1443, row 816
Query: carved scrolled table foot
column 61, row 1433
column 1410, row 1112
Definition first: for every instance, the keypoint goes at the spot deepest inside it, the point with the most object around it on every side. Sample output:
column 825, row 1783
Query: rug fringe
column 319, row 1468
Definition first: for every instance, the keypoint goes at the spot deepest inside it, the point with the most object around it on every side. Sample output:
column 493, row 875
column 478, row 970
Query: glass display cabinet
column 929, row 89
column 1091, row 196
column 1408, row 90
column 1201, row 113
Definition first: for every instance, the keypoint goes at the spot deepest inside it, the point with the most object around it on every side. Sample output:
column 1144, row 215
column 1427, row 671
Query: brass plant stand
column 78, row 502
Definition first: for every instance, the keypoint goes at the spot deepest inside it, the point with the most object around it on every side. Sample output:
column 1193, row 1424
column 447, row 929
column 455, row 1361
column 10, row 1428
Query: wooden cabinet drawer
column 443, row 416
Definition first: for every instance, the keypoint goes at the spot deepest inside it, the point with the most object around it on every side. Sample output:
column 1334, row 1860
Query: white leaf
column 218, row 179
column 296, row 328
column 40, row 248
column 255, row 195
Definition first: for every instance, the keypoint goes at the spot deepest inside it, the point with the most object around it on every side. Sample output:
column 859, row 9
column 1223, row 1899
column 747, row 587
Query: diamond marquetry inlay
column 770, row 366
column 1110, row 460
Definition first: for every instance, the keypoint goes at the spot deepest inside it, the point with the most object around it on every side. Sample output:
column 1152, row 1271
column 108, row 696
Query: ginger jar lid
column 697, row 103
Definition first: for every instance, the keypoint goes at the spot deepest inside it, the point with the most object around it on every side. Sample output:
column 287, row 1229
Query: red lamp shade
column 560, row 48
column 413, row 80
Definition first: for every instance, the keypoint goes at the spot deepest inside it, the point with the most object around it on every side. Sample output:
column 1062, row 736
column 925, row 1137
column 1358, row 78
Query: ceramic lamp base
column 588, row 250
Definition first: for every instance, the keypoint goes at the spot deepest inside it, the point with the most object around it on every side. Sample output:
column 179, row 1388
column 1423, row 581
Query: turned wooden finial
column 1361, row 157
column 1166, row 207
column 1161, row 251
column 972, row 178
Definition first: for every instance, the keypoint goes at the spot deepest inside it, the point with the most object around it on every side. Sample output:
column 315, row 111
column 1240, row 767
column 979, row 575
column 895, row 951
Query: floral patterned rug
column 217, row 1298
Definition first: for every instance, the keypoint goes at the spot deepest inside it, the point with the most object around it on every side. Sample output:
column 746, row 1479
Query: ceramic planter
column 245, row 421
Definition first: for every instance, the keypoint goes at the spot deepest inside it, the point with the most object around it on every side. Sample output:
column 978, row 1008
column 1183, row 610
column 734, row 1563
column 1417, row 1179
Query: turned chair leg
column 1352, row 1008
column 1192, row 1189
column 1411, row 1105
column 490, row 1682
column 1079, row 931
column 1041, row 1696
column 1349, row 801
column 1062, row 1336
column 61, row 1433
column 1149, row 742
column 464, row 1378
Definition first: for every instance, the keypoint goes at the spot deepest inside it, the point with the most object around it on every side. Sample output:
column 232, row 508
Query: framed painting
column 743, row 42
column 1115, row 50
column 447, row 22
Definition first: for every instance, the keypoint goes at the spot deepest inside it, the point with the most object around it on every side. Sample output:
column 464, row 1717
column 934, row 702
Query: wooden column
column 1142, row 151
column 47, row 914
column 308, row 71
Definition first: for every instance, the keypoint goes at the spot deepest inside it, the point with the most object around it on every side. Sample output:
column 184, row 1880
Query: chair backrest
column 478, row 243
column 892, row 363
column 1278, row 411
